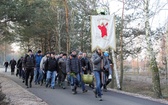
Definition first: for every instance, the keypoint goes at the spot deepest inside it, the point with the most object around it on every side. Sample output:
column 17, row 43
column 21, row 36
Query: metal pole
column 115, row 70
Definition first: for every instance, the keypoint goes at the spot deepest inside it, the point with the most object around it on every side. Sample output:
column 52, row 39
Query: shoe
column 41, row 83
column 100, row 98
column 27, row 86
column 46, row 85
column 23, row 81
column 63, row 87
column 105, row 90
column 53, row 87
column 30, row 85
column 84, row 91
column 94, row 90
column 74, row 91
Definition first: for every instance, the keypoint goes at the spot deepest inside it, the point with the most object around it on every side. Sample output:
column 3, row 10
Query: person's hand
column 84, row 68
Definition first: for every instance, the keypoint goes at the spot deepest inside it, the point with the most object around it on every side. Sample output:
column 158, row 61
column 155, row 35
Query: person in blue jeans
column 73, row 68
column 84, row 70
column 97, row 60
column 38, row 73
column 51, row 65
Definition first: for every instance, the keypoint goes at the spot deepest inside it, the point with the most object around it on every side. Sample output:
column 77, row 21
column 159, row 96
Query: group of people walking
column 52, row 70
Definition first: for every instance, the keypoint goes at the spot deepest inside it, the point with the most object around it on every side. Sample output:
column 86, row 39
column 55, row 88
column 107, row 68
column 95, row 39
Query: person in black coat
column 19, row 67
column 12, row 64
column 6, row 65
column 51, row 67
column 29, row 66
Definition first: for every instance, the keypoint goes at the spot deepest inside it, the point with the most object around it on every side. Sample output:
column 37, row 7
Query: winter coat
column 38, row 60
column 106, row 63
column 13, row 63
column 19, row 63
column 85, row 64
column 73, row 65
column 42, row 63
column 96, row 61
column 51, row 64
column 6, row 64
column 29, row 61
column 62, row 64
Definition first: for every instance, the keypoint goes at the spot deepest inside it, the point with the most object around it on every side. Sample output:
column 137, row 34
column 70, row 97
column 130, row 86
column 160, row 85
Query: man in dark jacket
column 73, row 67
column 12, row 64
column 29, row 65
column 38, row 73
column 97, row 60
column 62, row 67
column 19, row 67
column 51, row 66
column 6, row 65
column 84, row 67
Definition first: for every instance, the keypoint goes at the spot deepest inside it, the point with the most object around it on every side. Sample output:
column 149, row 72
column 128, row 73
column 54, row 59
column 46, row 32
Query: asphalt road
column 59, row 96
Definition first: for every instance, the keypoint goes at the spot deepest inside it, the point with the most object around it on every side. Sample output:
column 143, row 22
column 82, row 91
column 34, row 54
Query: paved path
column 59, row 96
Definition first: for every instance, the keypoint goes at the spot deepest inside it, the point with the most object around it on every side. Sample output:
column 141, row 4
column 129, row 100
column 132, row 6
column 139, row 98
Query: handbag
column 87, row 78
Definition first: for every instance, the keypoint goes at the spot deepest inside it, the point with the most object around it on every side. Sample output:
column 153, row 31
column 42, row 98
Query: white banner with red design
column 103, row 32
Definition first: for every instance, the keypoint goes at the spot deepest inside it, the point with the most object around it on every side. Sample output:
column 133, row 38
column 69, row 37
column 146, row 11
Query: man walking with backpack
column 29, row 65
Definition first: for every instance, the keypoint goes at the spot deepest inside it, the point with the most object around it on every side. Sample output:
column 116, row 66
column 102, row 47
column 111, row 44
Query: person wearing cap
column 107, row 71
column 29, row 65
column 38, row 74
column 73, row 68
column 51, row 66
column 62, row 67
column 97, row 60
column 42, row 66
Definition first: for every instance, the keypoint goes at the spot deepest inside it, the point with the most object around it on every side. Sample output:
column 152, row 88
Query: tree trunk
column 67, row 26
column 153, row 64
column 121, row 53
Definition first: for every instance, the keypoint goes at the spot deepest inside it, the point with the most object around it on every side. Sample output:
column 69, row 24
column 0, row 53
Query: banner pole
column 115, row 70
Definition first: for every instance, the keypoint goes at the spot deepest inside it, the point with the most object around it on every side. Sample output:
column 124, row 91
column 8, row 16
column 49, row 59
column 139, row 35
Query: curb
column 17, row 95
column 163, row 101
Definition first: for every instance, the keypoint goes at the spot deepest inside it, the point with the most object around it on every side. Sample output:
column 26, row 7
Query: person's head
column 84, row 55
column 80, row 54
column 98, row 50
column 39, row 52
column 29, row 52
column 61, row 54
column 48, row 54
column 73, row 52
column 53, row 54
column 106, row 54
column 64, row 56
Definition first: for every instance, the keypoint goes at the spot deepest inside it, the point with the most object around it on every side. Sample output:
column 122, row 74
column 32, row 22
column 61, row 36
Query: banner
column 103, row 32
